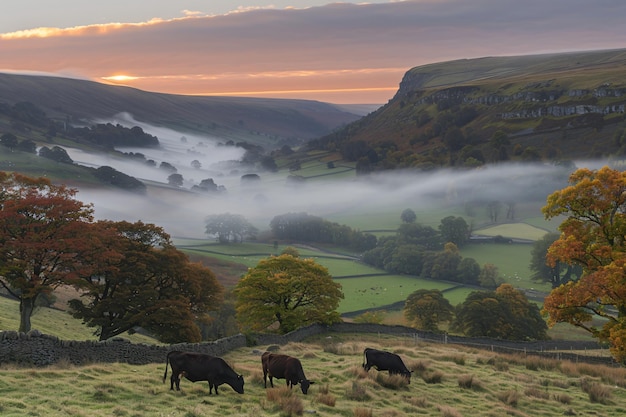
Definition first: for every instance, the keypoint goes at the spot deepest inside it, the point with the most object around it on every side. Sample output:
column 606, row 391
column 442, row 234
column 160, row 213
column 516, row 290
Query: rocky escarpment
column 533, row 102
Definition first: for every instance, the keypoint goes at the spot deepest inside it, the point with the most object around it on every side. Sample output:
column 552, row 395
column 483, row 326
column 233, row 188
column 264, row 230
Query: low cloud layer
column 182, row 213
column 339, row 52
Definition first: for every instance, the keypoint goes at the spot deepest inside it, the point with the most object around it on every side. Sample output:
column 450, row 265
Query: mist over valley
column 338, row 194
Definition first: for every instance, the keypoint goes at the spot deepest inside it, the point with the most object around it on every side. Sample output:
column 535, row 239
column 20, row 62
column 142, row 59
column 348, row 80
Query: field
column 447, row 381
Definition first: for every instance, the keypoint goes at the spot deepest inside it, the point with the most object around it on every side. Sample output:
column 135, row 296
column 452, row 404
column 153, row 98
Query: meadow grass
column 447, row 381
column 55, row 322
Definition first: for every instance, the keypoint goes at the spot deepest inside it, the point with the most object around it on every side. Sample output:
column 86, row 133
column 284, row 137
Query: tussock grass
column 342, row 387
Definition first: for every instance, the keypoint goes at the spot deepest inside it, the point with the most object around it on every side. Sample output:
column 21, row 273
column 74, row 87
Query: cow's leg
column 265, row 377
column 271, row 381
column 176, row 380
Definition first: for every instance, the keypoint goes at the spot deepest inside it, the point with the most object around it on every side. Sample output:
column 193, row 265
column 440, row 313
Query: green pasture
column 512, row 260
column 377, row 291
column 514, row 230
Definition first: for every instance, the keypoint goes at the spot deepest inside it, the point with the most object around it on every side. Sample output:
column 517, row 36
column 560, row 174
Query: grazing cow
column 283, row 366
column 385, row 361
column 201, row 367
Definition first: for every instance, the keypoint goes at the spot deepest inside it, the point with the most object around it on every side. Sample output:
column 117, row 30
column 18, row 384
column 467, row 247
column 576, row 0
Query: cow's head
column 305, row 384
column 237, row 384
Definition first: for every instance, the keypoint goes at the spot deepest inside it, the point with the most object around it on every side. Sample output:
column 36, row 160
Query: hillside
column 494, row 109
column 265, row 122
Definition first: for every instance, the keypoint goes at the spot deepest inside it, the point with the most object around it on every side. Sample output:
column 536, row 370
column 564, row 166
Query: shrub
column 391, row 381
column 433, row 377
column 287, row 401
column 563, row 398
column 447, row 411
column 510, row 397
column 598, row 393
column 357, row 392
column 537, row 393
column 470, row 382
column 325, row 397
column 362, row 412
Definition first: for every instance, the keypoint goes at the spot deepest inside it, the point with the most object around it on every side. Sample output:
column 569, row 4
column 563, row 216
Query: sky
column 347, row 52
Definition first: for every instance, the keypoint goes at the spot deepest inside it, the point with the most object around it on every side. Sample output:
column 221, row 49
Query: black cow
column 283, row 366
column 385, row 361
column 201, row 367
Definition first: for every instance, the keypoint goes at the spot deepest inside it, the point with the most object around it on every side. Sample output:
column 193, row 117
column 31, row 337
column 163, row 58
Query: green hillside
column 467, row 113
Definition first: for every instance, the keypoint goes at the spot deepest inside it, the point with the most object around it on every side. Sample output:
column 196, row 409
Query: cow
column 201, row 367
column 385, row 361
column 284, row 366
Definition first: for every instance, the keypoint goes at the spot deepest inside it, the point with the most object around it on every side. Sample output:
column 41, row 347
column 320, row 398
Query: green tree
column 175, row 180
column 592, row 237
column 229, row 227
column 427, row 308
column 504, row 313
column 144, row 281
column 43, row 237
column 408, row 216
column 9, row 140
column 489, row 276
column 557, row 274
column 454, row 229
column 406, row 259
column 287, row 291
column 468, row 271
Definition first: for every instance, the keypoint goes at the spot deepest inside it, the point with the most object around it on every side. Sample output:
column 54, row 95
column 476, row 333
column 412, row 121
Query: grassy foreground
column 448, row 381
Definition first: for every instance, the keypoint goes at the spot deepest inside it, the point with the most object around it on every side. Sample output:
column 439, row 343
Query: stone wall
column 39, row 349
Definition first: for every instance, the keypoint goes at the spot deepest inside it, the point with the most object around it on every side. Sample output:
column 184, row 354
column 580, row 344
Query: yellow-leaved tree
column 592, row 236
column 289, row 291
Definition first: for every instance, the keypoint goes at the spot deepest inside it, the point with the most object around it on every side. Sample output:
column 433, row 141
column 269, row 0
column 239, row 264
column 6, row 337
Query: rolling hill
column 265, row 122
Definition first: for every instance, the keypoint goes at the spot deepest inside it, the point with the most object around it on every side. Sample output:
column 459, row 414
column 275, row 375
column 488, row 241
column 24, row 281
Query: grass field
column 447, row 381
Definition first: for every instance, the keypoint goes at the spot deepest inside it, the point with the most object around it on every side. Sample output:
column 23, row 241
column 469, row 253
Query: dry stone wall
column 37, row 349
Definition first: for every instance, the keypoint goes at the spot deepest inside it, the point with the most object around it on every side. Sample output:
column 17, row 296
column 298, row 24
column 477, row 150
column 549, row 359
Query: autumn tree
column 592, row 236
column 146, row 282
column 42, row 239
column 427, row 308
column 287, row 291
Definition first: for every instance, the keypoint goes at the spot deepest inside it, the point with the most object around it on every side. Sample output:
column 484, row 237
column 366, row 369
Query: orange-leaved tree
column 42, row 235
column 592, row 236
column 148, row 284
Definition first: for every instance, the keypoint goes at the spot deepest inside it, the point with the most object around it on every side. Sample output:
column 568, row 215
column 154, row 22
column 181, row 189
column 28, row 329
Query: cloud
column 325, row 48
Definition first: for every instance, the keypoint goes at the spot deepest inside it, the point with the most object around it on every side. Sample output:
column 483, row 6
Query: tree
column 175, row 180
column 42, row 239
column 504, row 313
column 144, row 281
column 428, row 308
column 592, row 236
column 559, row 273
column 9, row 140
column 287, row 291
column 408, row 216
column 229, row 227
column 489, row 276
column 455, row 230
column 468, row 271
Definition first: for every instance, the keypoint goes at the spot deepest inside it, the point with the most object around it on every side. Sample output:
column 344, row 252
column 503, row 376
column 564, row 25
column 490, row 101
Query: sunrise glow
column 120, row 78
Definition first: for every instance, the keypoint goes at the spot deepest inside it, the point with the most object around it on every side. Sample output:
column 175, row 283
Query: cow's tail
column 167, row 362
